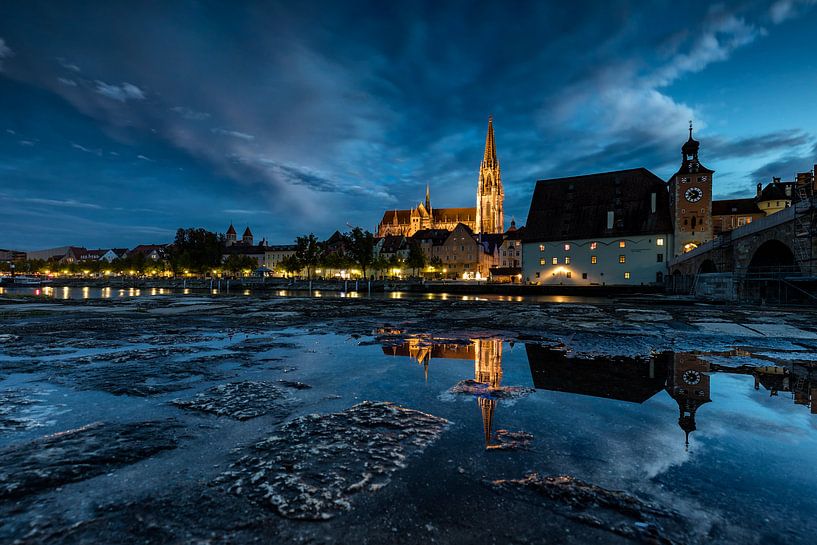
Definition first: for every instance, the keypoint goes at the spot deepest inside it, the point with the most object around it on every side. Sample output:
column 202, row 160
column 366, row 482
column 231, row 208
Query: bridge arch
column 708, row 266
column 773, row 256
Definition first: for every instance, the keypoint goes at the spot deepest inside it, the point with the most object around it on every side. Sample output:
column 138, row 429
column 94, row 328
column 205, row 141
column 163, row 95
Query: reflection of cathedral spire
column 487, row 406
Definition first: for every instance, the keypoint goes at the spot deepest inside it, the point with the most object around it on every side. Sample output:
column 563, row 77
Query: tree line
column 198, row 251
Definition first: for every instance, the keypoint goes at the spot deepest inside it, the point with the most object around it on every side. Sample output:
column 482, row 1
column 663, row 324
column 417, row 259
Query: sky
column 122, row 121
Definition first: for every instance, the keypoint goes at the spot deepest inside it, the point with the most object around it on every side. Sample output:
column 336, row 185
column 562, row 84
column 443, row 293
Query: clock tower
column 688, row 385
column 690, row 193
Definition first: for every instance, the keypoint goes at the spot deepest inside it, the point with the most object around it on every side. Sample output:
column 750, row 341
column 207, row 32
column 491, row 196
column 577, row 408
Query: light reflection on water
column 109, row 292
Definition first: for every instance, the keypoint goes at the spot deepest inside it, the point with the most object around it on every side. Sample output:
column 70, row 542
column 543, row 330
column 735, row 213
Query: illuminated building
column 486, row 217
column 688, row 384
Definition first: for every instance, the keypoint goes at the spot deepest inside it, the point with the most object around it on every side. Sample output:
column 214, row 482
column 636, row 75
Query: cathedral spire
column 428, row 198
column 489, row 159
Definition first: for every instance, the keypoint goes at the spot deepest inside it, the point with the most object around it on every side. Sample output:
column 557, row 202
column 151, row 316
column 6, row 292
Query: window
column 594, row 245
column 541, row 247
column 555, row 260
column 626, row 276
column 569, row 274
column 542, row 261
column 659, row 258
column 584, row 276
column 621, row 244
column 622, row 259
column 567, row 260
column 537, row 275
column 567, row 247
column 594, row 259
column 659, row 242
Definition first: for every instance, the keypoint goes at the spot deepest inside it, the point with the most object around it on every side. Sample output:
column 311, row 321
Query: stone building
column 613, row 228
column 486, row 217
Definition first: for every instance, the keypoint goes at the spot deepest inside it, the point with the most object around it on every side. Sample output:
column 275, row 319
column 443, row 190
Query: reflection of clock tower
column 690, row 191
column 688, row 385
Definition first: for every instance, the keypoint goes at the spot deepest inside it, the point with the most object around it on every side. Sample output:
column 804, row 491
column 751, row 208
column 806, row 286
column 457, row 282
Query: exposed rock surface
column 315, row 464
column 239, row 400
column 78, row 454
column 471, row 386
column 511, row 440
column 611, row 510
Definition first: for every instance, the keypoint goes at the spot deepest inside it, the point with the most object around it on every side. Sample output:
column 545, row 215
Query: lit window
column 569, row 274
column 567, row 260
column 659, row 242
column 567, row 247
column 621, row 244
column 555, row 260
column 626, row 276
column 541, row 247
column 542, row 261
column 622, row 259
column 594, row 259
column 594, row 245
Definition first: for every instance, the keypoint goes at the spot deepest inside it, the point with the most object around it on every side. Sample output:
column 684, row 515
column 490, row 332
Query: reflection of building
column 424, row 349
column 688, row 385
column 488, row 371
column 800, row 381
column 626, row 379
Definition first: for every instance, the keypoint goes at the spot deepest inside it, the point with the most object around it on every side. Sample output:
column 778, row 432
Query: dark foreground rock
column 78, row 454
column 472, row 387
column 239, row 400
column 597, row 507
column 511, row 440
column 315, row 464
column 16, row 407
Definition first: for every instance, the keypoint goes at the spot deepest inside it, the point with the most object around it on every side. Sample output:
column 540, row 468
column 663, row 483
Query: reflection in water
column 685, row 377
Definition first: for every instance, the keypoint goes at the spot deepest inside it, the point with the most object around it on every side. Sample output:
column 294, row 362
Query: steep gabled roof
column 231, row 230
column 403, row 216
column 727, row 207
column 577, row 207
column 436, row 236
column 393, row 243
column 247, row 232
column 449, row 215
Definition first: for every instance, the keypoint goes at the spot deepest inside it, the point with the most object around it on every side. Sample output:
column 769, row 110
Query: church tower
column 690, row 193
column 490, row 195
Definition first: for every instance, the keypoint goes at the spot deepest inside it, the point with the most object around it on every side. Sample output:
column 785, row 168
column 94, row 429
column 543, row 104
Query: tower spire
column 489, row 159
column 690, row 129
column 428, row 198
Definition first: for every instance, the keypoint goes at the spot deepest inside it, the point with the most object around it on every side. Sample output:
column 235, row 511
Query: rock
column 294, row 384
column 511, row 440
column 472, row 387
column 75, row 455
column 313, row 467
column 239, row 400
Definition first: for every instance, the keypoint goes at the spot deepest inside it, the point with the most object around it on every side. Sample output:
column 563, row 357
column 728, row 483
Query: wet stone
column 16, row 410
column 79, row 454
column 511, row 440
column 472, row 387
column 611, row 510
column 294, row 384
column 239, row 400
column 315, row 464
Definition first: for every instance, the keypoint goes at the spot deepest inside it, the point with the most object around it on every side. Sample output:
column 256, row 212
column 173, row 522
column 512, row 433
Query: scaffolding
column 805, row 223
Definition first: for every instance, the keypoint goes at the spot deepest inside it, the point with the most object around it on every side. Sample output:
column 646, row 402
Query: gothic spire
column 489, row 158
column 428, row 198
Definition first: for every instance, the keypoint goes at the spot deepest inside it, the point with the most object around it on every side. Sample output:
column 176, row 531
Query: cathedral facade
column 486, row 217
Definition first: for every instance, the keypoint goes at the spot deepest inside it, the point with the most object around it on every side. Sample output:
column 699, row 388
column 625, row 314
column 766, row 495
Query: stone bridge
column 779, row 248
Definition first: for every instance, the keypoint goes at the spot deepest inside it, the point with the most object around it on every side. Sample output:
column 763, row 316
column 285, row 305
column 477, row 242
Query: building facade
column 486, row 217
column 613, row 228
column 690, row 192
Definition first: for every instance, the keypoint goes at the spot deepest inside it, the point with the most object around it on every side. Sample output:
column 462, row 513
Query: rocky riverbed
column 237, row 419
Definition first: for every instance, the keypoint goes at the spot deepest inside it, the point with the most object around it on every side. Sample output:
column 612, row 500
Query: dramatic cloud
column 122, row 93
column 278, row 107
column 5, row 52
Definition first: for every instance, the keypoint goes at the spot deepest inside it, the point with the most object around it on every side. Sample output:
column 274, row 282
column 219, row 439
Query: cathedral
column 486, row 217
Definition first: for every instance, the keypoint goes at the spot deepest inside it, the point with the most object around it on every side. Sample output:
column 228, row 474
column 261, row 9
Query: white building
column 612, row 228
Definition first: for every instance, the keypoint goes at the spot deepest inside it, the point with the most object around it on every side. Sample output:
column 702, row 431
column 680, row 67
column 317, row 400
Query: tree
column 291, row 264
column 361, row 248
column 308, row 251
column 416, row 258
column 196, row 250
column 380, row 263
column 238, row 263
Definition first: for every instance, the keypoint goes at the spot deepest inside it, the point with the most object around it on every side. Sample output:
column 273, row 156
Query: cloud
column 5, row 52
column 143, row 158
column 783, row 10
column 97, row 152
column 67, row 65
column 234, row 134
column 26, row 143
column 70, row 203
column 786, row 167
column 753, row 146
column 68, row 82
column 192, row 115
column 122, row 93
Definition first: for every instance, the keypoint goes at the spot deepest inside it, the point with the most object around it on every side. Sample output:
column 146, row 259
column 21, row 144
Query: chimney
column 776, row 180
column 759, row 188
column 788, row 190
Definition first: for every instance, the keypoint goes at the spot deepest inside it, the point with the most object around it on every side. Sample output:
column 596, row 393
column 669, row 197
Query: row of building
column 608, row 228
column 66, row 255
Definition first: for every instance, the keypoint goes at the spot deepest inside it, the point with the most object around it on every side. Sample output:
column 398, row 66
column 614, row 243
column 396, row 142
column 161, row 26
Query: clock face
column 693, row 194
column 691, row 377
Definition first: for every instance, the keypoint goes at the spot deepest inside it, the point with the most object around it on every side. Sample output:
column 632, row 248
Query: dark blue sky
column 121, row 121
